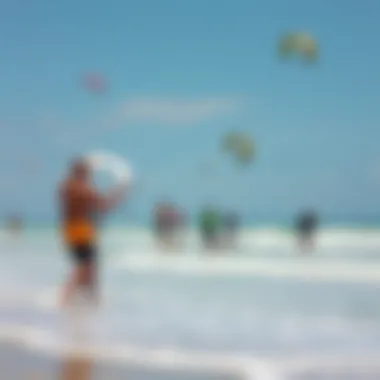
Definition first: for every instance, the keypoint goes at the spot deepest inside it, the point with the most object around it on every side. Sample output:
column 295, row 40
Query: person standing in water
column 164, row 224
column 306, row 226
column 209, row 226
column 14, row 225
column 79, row 205
column 167, row 224
column 230, row 229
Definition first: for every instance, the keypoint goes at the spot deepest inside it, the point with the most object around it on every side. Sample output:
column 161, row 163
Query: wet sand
column 17, row 363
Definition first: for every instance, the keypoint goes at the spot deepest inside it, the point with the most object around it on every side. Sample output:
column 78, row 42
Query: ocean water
column 261, row 311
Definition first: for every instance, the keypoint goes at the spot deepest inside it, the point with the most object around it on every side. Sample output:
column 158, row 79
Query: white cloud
column 175, row 111
column 150, row 110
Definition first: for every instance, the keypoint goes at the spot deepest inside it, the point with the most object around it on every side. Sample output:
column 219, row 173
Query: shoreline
column 257, row 226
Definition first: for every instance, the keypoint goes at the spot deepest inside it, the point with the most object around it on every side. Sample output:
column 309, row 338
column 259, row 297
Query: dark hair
column 78, row 164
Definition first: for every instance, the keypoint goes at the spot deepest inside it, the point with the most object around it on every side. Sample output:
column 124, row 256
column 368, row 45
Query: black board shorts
column 83, row 253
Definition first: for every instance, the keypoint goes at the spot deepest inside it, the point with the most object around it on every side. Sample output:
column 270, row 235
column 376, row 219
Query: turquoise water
column 126, row 217
column 261, row 300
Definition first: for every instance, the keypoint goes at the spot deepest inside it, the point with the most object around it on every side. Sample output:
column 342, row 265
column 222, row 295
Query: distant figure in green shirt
column 209, row 227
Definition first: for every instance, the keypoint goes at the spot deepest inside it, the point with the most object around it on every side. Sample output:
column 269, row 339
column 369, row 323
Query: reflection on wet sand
column 75, row 368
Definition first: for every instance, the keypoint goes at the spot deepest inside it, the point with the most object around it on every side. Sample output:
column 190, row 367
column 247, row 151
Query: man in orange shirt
column 80, row 204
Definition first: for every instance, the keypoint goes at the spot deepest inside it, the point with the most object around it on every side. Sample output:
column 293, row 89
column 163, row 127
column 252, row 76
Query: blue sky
column 181, row 73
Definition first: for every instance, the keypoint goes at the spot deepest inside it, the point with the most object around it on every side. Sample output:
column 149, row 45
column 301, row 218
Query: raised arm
column 107, row 202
